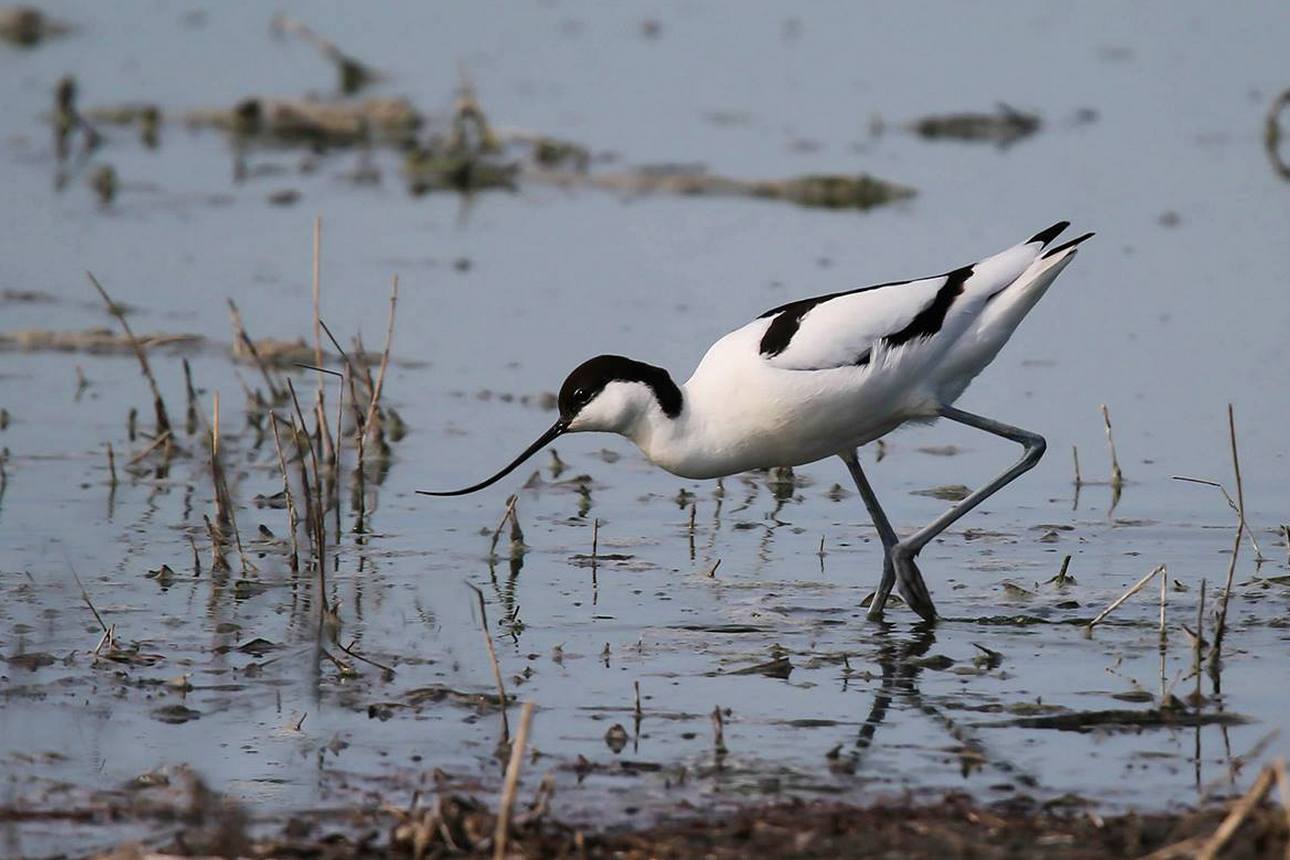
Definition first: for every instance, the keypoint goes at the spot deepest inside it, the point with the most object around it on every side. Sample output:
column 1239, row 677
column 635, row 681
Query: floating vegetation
column 1004, row 127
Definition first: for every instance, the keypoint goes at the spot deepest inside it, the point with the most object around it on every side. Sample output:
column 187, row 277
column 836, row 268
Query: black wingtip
column 1071, row 244
column 1043, row 237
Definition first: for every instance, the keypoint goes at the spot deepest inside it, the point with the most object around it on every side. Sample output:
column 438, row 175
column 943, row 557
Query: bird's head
column 607, row 393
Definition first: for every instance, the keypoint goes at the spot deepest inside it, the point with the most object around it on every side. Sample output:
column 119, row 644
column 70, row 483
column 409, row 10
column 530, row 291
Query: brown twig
column 157, row 441
column 293, row 519
column 218, row 561
column 385, row 360
column 508, row 514
column 163, row 420
column 1221, row 625
column 718, row 733
column 1134, row 589
column 1199, row 647
column 317, row 290
column 317, row 524
column 1117, row 476
column 190, row 420
column 513, row 768
column 1240, row 811
column 1283, row 789
column 239, row 331
column 368, row 660
column 492, row 657
column 1231, row 503
column 1164, row 592
column 111, row 455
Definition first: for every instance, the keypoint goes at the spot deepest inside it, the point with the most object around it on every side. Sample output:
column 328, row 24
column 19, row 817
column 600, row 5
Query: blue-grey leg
column 912, row 587
column 903, row 553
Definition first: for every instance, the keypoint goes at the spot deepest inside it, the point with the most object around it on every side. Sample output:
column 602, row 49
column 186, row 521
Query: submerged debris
column 97, row 340
column 1272, row 135
column 1172, row 715
column 146, row 116
column 317, row 122
column 946, row 492
column 27, row 26
column 1004, row 127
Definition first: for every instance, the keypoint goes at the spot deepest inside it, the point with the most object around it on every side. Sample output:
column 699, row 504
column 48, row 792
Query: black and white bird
column 820, row 377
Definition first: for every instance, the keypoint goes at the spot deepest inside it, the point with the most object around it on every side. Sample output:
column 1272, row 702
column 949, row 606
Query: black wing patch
column 928, row 321
column 787, row 318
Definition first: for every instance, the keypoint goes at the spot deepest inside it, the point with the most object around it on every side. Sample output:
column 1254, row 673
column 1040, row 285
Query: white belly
column 768, row 417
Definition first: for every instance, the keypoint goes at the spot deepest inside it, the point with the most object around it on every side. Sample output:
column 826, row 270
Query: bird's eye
column 580, row 395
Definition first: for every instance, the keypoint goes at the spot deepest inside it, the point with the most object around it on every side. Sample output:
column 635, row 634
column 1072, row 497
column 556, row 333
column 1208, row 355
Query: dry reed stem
column 513, row 768
column 1221, row 626
column 190, row 421
column 1240, row 811
column 368, row 660
column 507, row 514
column 225, row 514
column 1236, row 464
column 637, row 684
column 385, row 360
column 1134, row 589
column 1220, row 623
column 1079, row 480
column 1186, row 848
column 1231, row 503
column 718, row 733
column 292, row 518
column 340, row 441
column 1283, row 789
column 1199, row 644
column 311, row 519
column 218, row 561
column 1117, row 476
column 159, row 405
column 317, row 290
column 111, row 455
column 85, row 596
column 322, row 429
column 217, row 470
column 157, row 441
column 317, row 523
column 492, row 657
column 239, row 331
column 1164, row 596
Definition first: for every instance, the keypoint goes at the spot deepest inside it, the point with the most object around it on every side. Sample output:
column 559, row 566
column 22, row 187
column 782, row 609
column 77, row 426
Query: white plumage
column 822, row 376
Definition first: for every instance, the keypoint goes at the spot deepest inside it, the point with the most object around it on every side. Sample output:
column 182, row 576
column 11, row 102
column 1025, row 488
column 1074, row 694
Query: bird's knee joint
column 1035, row 447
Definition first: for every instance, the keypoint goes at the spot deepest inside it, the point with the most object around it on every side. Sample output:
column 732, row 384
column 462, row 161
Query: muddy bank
column 951, row 827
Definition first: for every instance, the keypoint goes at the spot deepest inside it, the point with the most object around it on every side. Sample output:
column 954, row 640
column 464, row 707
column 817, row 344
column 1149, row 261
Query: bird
column 821, row 377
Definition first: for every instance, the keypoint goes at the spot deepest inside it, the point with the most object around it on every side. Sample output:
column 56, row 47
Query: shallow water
column 1165, row 324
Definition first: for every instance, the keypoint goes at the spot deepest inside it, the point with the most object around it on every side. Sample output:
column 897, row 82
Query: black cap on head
column 590, row 378
column 579, row 389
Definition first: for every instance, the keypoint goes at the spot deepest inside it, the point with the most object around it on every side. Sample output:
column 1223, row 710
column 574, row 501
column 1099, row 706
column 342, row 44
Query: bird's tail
column 1005, row 310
